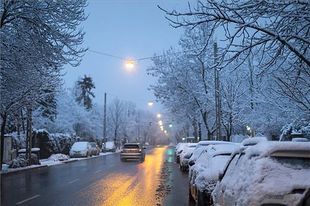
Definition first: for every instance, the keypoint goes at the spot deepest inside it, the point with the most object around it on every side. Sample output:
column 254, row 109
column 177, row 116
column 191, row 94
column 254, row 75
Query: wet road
column 103, row 180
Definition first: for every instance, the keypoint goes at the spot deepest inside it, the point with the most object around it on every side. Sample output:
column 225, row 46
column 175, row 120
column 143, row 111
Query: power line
column 144, row 58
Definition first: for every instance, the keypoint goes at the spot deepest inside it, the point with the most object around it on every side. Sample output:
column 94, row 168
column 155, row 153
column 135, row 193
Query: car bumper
column 131, row 156
column 78, row 155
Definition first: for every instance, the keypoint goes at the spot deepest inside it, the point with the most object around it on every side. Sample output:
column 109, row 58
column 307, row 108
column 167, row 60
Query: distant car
column 108, row 147
column 178, row 150
column 204, row 174
column 268, row 173
column 95, row 150
column 80, row 149
column 132, row 151
column 186, row 154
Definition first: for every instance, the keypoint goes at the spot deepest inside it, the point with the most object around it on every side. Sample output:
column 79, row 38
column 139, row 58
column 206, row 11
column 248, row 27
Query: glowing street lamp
column 170, row 125
column 160, row 123
column 161, row 128
column 158, row 115
column 129, row 64
column 150, row 103
column 165, row 132
column 248, row 128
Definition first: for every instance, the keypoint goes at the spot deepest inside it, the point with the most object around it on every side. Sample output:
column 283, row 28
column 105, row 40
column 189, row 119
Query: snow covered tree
column 84, row 93
column 276, row 32
column 37, row 39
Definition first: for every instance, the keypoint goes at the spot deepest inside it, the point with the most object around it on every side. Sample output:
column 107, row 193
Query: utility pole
column 105, row 119
column 217, row 96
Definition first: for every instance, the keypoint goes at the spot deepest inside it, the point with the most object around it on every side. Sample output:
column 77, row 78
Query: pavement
column 104, row 180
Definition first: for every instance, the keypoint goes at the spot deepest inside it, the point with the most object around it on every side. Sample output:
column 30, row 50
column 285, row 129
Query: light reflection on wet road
column 100, row 181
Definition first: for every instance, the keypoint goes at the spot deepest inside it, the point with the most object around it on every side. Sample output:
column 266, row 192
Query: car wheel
column 199, row 200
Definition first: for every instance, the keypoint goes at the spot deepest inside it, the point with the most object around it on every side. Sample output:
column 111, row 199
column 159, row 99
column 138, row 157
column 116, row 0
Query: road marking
column 73, row 181
column 97, row 171
column 26, row 200
column 111, row 165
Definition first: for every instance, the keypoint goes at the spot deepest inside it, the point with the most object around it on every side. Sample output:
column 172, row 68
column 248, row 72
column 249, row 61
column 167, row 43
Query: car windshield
column 79, row 145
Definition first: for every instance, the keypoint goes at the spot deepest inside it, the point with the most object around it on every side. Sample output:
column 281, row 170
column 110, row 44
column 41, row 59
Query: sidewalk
column 47, row 163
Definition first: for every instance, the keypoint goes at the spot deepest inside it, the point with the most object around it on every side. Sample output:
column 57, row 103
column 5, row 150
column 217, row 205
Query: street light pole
column 105, row 119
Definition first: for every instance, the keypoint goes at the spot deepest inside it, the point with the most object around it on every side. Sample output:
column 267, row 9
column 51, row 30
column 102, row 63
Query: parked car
column 201, row 146
column 178, row 150
column 268, row 173
column 80, row 149
column 204, row 174
column 186, row 154
column 108, row 147
column 95, row 150
column 132, row 151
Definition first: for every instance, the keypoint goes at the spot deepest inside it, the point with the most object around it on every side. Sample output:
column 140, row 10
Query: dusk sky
column 128, row 29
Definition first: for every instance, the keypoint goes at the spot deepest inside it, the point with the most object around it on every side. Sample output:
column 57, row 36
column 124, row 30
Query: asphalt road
column 99, row 181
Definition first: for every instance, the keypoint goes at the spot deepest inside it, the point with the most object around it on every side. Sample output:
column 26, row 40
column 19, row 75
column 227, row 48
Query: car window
column 131, row 146
column 293, row 162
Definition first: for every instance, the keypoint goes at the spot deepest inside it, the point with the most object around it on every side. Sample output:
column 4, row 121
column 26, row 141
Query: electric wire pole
column 105, row 119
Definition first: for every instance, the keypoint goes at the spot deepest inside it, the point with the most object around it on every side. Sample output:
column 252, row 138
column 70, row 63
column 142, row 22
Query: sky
column 127, row 29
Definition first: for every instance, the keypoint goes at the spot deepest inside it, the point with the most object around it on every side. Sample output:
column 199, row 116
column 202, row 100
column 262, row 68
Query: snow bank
column 59, row 157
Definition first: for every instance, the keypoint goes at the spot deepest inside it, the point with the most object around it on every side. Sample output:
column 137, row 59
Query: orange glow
column 138, row 188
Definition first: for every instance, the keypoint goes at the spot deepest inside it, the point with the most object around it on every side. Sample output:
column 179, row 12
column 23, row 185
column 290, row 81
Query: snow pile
column 59, row 157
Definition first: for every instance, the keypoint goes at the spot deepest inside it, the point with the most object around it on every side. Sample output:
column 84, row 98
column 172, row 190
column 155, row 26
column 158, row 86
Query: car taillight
column 122, row 150
column 140, row 150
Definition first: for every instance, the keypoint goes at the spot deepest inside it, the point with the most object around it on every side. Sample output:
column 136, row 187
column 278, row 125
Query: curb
column 22, row 170
column 69, row 161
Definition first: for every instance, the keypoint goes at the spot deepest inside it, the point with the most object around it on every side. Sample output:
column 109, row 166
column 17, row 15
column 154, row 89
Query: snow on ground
column 55, row 159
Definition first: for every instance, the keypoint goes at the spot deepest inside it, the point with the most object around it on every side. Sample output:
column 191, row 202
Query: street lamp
column 158, row 115
column 129, row 64
column 160, row 123
column 150, row 103
column 170, row 125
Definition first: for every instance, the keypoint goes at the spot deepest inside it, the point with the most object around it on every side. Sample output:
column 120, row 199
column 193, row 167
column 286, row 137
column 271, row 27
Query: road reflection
column 125, row 189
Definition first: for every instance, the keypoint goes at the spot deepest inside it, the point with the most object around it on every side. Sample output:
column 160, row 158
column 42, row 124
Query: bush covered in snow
column 52, row 143
column 298, row 128
column 21, row 161
column 18, row 162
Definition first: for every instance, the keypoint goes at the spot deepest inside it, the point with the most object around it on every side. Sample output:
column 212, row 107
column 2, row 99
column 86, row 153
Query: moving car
column 186, row 154
column 268, row 173
column 108, row 147
column 132, row 151
column 204, row 174
column 80, row 149
column 95, row 150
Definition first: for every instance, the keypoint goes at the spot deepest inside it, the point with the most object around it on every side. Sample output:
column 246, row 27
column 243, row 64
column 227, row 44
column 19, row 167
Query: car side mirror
column 144, row 147
column 191, row 163
column 221, row 175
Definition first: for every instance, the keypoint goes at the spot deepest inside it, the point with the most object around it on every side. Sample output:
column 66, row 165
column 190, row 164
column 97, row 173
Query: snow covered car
column 268, row 173
column 132, row 151
column 108, row 147
column 95, row 150
column 204, row 174
column 201, row 146
column 186, row 154
column 80, row 149
column 178, row 150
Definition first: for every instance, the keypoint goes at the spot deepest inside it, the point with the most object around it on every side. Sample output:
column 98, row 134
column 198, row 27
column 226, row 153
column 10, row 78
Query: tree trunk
column 4, row 117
